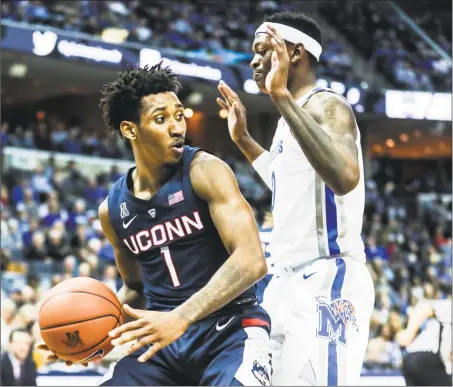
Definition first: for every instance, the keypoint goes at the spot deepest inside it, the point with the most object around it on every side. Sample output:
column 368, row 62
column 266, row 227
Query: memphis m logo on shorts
column 334, row 317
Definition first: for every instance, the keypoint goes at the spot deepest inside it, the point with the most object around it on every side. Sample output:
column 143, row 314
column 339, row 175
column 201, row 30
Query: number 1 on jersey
column 171, row 268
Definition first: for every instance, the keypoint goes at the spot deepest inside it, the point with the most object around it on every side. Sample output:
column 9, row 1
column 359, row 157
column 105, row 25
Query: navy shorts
column 229, row 348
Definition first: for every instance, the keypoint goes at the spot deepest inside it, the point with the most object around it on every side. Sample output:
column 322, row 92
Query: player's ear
column 128, row 130
column 297, row 52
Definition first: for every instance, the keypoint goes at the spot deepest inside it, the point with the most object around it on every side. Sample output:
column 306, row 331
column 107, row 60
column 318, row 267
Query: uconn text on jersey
column 160, row 234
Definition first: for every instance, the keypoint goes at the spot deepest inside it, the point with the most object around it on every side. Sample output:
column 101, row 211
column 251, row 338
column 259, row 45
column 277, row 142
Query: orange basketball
column 77, row 316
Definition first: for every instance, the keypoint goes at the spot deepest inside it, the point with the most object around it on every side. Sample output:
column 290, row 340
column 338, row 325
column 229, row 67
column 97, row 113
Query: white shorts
column 320, row 317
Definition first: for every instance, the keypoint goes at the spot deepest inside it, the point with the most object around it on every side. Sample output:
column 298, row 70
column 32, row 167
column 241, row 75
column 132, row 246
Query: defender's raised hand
column 277, row 78
column 237, row 122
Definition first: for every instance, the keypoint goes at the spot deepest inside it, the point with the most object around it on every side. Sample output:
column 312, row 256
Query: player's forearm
column 135, row 299
column 249, row 147
column 262, row 165
column 331, row 160
column 235, row 276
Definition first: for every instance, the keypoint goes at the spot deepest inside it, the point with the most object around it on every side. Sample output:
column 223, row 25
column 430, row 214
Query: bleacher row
column 221, row 31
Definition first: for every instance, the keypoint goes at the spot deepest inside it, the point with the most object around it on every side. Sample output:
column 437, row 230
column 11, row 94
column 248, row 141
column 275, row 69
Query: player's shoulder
column 114, row 190
column 332, row 112
column 210, row 176
column 328, row 103
column 205, row 163
column 103, row 209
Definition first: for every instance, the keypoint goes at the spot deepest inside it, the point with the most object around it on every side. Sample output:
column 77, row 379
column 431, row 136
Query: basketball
column 76, row 318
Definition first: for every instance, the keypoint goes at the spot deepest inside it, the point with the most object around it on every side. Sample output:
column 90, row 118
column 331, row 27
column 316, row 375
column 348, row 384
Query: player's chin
column 173, row 158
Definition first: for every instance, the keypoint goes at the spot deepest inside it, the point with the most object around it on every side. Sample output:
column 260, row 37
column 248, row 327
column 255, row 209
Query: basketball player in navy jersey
column 186, row 242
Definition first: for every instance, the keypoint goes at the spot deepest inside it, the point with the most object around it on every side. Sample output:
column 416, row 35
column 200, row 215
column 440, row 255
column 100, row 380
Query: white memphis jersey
column 310, row 221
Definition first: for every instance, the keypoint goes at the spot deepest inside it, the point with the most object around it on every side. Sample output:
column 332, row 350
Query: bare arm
column 214, row 182
column 249, row 147
column 326, row 131
column 131, row 292
column 237, row 123
column 417, row 317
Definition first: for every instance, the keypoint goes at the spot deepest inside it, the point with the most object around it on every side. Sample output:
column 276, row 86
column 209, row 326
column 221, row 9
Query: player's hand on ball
column 237, row 122
column 156, row 328
column 52, row 357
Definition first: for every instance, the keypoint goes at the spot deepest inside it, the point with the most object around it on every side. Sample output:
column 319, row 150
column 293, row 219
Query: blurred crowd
column 218, row 31
column 50, row 232
column 51, row 134
column 396, row 50
column 409, row 255
column 222, row 31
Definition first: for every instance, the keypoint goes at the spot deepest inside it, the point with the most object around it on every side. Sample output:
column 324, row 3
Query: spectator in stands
column 72, row 143
column 25, row 317
column 77, row 215
column 58, row 136
column 85, row 270
column 57, row 245
column 28, row 204
column 106, row 252
column 110, row 277
column 373, row 251
column 69, row 267
column 18, row 191
column 8, row 312
column 382, row 350
column 17, row 366
column 42, row 136
column 38, row 249
column 27, row 235
column 39, row 182
column 54, row 212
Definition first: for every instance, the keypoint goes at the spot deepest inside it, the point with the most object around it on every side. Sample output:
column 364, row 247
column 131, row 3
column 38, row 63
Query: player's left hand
column 277, row 79
column 156, row 328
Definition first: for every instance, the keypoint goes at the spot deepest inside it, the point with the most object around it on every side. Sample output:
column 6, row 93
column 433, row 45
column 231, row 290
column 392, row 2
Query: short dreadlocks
column 121, row 99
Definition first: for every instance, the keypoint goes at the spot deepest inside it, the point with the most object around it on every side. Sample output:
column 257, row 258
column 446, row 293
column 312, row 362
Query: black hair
column 121, row 99
column 14, row 331
column 300, row 22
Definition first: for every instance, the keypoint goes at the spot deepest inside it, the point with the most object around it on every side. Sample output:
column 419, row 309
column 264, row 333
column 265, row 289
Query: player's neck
column 301, row 86
column 150, row 176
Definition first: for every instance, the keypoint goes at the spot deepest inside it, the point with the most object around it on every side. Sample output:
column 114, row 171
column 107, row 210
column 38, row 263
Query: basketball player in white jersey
column 322, row 298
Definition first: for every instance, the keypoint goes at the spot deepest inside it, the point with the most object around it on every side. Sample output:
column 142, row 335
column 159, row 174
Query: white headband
column 294, row 36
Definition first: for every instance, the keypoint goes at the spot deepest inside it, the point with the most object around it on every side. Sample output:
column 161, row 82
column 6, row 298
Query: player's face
column 261, row 62
column 163, row 127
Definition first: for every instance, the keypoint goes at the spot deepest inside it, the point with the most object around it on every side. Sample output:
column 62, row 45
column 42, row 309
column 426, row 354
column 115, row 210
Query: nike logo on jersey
column 220, row 327
column 308, row 276
column 126, row 225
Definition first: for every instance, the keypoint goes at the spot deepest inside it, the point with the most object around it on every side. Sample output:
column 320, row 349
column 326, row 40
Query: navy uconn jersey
column 173, row 237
